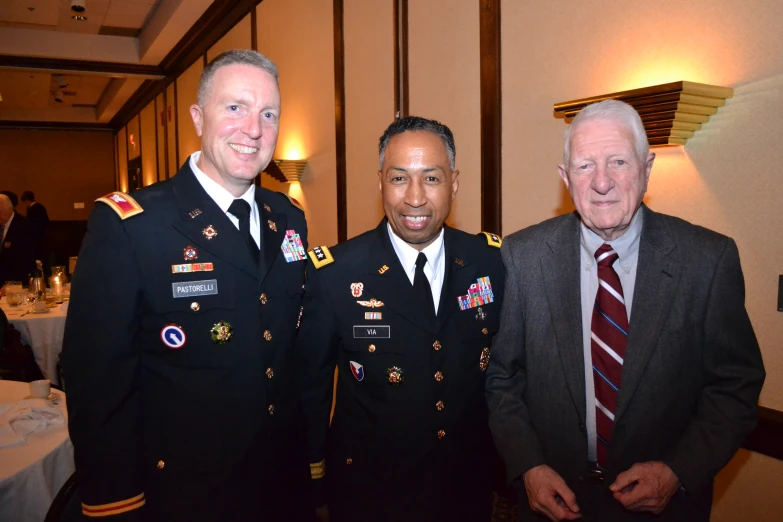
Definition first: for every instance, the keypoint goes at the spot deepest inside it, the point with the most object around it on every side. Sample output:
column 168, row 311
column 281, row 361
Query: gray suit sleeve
column 733, row 373
column 509, row 421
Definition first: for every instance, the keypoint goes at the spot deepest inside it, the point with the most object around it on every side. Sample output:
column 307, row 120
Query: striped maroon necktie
column 609, row 333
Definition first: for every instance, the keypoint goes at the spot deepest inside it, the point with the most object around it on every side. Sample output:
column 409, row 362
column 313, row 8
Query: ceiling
column 55, row 69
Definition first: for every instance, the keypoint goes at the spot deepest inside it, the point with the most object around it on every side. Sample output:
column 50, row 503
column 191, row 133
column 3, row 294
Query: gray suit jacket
column 692, row 371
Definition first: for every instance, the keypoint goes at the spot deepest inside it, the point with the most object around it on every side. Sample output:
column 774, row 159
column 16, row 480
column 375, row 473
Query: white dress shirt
column 224, row 198
column 627, row 248
column 435, row 268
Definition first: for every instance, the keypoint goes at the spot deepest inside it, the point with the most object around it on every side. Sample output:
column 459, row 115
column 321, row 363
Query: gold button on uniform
column 269, row 373
column 484, row 331
column 440, row 405
column 267, row 335
column 439, row 376
column 263, row 299
column 441, row 434
column 195, row 306
column 271, row 409
column 161, row 464
column 349, row 461
column 371, row 348
column 436, row 345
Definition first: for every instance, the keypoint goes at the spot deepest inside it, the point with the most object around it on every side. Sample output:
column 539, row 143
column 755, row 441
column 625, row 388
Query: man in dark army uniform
column 406, row 312
column 183, row 314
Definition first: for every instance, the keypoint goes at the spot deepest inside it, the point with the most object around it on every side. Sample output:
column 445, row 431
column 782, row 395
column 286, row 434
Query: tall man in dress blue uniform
column 406, row 313
column 181, row 326
column 626, row 372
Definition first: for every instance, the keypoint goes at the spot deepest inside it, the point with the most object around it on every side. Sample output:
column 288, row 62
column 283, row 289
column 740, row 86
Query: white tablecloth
column 43, row 332
column 31, row 474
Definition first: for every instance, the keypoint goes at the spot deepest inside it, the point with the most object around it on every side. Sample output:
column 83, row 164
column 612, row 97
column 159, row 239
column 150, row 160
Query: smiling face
column 606, row 178
column 417, row 186
column 238, row 125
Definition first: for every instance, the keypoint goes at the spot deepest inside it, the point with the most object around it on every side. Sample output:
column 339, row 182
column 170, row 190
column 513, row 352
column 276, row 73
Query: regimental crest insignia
column 122, row 204
column 357, row 370
column 356, row 289
column 209, row 232
column 190, row 253
column 484, row 359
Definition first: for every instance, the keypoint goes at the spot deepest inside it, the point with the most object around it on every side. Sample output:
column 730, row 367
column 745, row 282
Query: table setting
column 36, row 454
column 39, row 314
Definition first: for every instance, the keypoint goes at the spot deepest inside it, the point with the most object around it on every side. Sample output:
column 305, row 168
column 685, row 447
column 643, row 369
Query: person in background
column 406, row 313
column 38, row 219
column 17, row 260
column 180, row 331
column 626, row 372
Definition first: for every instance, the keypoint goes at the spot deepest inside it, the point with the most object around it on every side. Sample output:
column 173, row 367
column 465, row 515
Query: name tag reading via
column 372, row 332
column 194, row 288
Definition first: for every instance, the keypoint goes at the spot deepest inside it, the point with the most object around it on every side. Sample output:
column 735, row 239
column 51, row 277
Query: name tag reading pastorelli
column 194, row 288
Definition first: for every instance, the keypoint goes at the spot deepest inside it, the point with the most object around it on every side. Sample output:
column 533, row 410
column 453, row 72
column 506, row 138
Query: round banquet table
column 32, row 473
column 42, row 332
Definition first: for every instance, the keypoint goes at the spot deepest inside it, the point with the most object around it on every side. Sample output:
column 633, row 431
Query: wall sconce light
column 671, row 112
column 291, row 169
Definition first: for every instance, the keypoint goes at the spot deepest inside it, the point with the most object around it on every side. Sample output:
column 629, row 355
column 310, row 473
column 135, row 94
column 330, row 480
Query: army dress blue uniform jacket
column 409, row 439
column 203, row 431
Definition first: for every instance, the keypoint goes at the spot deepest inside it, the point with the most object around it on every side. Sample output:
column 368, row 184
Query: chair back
column 67, row 505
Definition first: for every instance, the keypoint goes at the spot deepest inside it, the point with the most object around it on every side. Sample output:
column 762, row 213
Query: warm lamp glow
column 292, row 148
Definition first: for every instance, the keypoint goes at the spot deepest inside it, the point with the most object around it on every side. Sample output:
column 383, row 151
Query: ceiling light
column 60, row 79
column 79, row 18
column 58, row 95
column 78, row 6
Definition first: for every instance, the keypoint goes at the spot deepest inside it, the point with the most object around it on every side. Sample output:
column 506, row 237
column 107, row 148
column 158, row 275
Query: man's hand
column 647, row 486
column 548, row 494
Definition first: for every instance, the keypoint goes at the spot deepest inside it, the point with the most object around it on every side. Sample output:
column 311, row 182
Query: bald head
column 6, row 209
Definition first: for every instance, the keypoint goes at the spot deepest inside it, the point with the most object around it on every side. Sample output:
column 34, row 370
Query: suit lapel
column 657, row 274
column 197, row 212
column 391, row 285
column 560, row 266
column 273, row 227
column 459, row 274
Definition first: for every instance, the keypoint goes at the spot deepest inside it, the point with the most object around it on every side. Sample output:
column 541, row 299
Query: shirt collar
column 625, row 245
column 222, row 197
column 407, row 254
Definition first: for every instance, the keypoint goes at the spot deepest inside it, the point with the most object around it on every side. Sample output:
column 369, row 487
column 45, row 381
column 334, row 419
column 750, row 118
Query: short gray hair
column 232, row 57
column 416, row 123
column 5, row 205
column 610, row 110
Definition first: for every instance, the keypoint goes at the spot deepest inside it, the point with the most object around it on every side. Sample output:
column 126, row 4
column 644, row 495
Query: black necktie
column 241, row 209
column 421, row 287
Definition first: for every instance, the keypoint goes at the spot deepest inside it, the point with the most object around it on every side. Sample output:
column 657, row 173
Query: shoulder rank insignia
column 121, row 203
column 294, row 202
column 493, row 240
column 320, row 256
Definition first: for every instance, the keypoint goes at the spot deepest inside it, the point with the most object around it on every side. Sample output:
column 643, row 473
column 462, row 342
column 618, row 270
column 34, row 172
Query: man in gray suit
column 600, row 413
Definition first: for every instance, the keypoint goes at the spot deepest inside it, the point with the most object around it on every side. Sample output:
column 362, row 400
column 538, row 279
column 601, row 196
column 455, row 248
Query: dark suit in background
column 17, row 260
column 420, row 450
column 38, row 219
column 207, row 431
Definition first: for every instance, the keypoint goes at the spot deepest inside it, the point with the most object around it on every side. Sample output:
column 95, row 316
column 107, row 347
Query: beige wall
column 122, row 158
column 443, row 49
column 726, row 177
column 369, row 104
column 297, row 36
column 237, row 38
column 187, row 84
column 61, row 167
